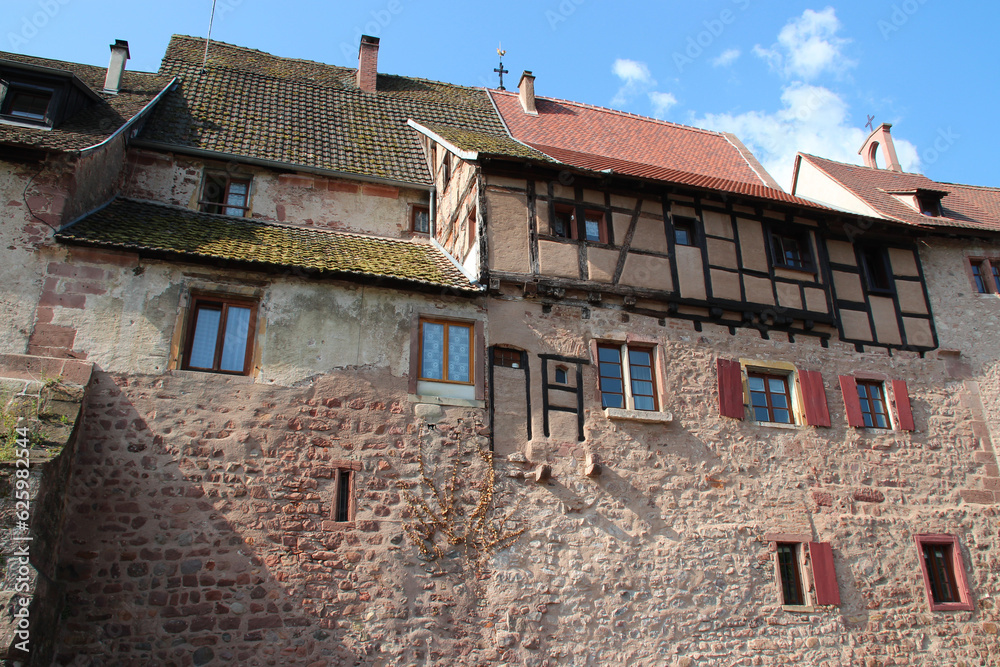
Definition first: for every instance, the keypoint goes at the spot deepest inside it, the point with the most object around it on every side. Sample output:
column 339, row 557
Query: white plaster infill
column 642, row 416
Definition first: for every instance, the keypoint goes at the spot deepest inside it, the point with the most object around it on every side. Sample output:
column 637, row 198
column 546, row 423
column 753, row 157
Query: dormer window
column 26, row 102
column 929, row 205
column 225, row 193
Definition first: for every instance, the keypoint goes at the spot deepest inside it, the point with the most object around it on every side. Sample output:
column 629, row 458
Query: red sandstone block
column 202, row 623
column 265, row 622
column 985, row 457
column 104, row 257
column 62, row 300
column 991, row 483
column 73, row 271
column 381, row 191
column 53, row 335
column 229, row 623
column 342, row 186
column 84, row 287
column 977, row 497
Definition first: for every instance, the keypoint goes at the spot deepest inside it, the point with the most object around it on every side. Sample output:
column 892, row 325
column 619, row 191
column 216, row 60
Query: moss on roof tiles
column 145, row 227
column 255, row 105
column 488, row 143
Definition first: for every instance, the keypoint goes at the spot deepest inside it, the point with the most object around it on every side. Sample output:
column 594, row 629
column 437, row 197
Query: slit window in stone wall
column 343, row 504
column 943, row 571
column 220, row 335
column 627, row 377
column 789, row 574
column 225, row 194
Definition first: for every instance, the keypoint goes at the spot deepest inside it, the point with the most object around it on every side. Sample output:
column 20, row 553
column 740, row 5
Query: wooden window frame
column 806, row 261
column 957, row 569
column 574, row 230
column 417, row 208
column 989, row 273
column 444, row 366
column 871, row 413
column 507, row 357
column 343, row 495
column 224, row 301
column 14, row 88
column 869, row 271
column 899, row 411
column 204, row 203
column 628, row 395
column 813, row 575
column 767, row 374
column 688, row 224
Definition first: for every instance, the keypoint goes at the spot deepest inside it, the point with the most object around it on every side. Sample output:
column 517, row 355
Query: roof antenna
column 208, row 39
column 500, row 70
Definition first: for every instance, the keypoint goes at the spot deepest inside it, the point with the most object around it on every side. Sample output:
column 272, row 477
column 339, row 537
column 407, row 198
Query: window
column 684, row 231
column 770, row 400
column 775, row 391
column 446, row 351
column 343, row 505
column 985, row 274
column 220, row 335
column 875, row 263
column 791, row 250
column 420, row 219
column 508, row 357
column 789, row 574
column 930, row 205
column 562, row 376
column 804, row 571
column 871, row 396
column 944, row 573
column 223, row 193
column 628, row 386
column 565, row 219
column 867, row 403
column 27, row 102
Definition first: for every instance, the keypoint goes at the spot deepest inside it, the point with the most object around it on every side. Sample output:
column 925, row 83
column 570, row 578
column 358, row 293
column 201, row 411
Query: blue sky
column 784, row 76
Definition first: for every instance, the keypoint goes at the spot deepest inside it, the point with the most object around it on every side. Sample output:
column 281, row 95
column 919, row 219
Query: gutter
column 277, row 164
column 133, row 119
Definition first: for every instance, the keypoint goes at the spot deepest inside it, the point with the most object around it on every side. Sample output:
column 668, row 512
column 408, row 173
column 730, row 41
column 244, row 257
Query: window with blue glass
column 770, row 398
column 220, row 335
column 627, row 379
column 446, row 351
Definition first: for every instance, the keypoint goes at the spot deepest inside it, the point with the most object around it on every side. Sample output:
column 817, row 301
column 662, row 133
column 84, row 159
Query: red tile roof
column 964, row 206
column 605, row 133
column 600, row 163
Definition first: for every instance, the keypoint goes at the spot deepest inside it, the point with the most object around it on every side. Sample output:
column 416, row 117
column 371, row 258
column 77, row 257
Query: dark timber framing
column 578, row 390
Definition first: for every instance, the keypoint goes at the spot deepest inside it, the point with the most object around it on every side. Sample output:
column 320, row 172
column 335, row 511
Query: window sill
column 808, row 608
column 793, row 427
column 233, row 377
column 445, row 400
column 642, row 416
column 952, row 606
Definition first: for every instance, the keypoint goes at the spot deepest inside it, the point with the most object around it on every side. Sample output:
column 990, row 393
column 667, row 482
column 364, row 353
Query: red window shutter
column 814, row 396
column 824, row 574
column 903, row 412
column 730, row 388
column 849, row 387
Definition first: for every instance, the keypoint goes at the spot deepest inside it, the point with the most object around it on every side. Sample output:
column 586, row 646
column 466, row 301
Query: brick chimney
column 880, row 137
column 116, row 68
column 368, row 63
column 526, row 92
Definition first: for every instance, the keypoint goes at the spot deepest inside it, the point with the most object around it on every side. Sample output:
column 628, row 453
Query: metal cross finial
column 500, row 70
column 869, row 123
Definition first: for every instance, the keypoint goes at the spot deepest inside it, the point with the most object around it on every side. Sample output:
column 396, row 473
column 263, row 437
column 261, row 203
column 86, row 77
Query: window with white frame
column 627, row 376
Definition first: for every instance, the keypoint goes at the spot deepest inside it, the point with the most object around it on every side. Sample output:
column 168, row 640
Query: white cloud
column 726, row 58
column 662, row 102
column 808, row 46
column 813, row 119
column 635, row 79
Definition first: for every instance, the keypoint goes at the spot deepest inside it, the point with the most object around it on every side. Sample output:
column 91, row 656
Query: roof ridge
column 864, row 166
column 99, row 68
column 266, row 223
column 311, row 62
column 628, row 114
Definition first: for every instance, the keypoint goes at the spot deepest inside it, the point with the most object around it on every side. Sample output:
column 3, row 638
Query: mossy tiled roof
column 93, row 124
column 158, row 229
column 255, row 105
column 486, row 143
